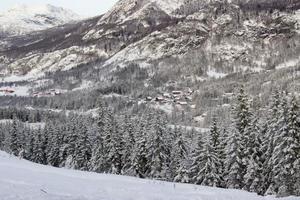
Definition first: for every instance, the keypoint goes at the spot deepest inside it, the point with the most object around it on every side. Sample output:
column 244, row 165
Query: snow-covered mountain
column 126, row 10
column 146, row 31
column 177, row 43
column 22, row 19
column 23, row 180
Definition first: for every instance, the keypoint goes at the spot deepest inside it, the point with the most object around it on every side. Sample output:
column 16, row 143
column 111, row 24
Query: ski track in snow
column 23, row 180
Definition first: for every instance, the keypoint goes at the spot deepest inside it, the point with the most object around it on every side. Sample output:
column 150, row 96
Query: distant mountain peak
column 128, row 9
column 23, row 18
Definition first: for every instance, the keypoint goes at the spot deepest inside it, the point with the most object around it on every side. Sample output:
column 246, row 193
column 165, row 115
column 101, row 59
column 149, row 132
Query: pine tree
column 233, row 163
column 55, row 142
column 297, row 175
column 14, row 139
column 64, row 145
column 116, row 151
column 286, row 150
column 196, row 166
column 294, row 147
column 224, row 140
column 237, row 159
column 268, row 142
column 29, row 145
column 111, row 160
column 180, row 159
column 96, row 163
column 158, row 153
column 2, row 137
column 82, row 152
column 39, row 148
column 129, row 133
column 253, row 178
column 139, row 166
column 210, row 170
column 67, row 151
column 211, row 160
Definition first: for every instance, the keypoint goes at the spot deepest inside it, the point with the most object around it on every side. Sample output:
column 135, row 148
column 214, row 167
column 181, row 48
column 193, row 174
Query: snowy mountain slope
column 133, row 9
column 212, row 39
column 22, row 19
column 23, row 180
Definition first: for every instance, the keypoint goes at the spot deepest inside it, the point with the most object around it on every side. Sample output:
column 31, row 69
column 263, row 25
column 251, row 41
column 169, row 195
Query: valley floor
column 23, row 180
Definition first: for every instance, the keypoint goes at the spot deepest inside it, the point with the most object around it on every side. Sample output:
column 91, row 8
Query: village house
column 177, row 92
column 183, row 103
column 149, row 98
column 7, row 90
column 159, row 99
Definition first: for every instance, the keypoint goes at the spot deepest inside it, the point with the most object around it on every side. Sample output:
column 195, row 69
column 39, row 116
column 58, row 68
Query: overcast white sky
column 82, row 7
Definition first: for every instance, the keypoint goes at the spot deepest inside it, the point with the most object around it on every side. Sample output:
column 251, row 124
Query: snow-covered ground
column 23, row 180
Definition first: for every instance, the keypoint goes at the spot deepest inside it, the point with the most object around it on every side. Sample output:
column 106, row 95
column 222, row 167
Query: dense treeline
column 258, row 154
column 29, row 114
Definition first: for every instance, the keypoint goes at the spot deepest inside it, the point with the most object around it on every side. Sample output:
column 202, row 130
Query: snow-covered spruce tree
column 196, row 166
column 116, row 150
column 55, row 142
column 211, row 163
column 96, row 163
column 111, row 161
column 286, row 151
column 2, row 136
column 157, row 149
column 253, row 177
column 29, row 145
column 14, row 143
column 219, row 142
column 211, row 160
column 297, row 175
column 233, row 163
column 222, row 154
column 129, row 133
column 82, row 152
column 64, row 145
column 270, row 129
column 293, row 149
column 179, row 159
column 296, row 164
column 22, row 138
column 236, row 151
column 108, row 131
column 280, row 127
column 174, row 135
column 67, row 150
column 39, row 154
column 139, row 159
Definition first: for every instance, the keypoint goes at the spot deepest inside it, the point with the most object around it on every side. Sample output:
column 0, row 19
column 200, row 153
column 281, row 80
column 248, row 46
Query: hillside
column 23, row 180
column 142, row 50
